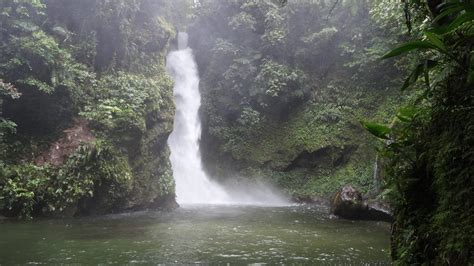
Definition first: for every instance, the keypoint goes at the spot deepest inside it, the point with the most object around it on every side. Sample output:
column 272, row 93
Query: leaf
column 407, row 114
column 461, row 19
column 413, row 77
column 40, row 85
column 436, row 41
column 449, row 10
column 409, row 46
column 419, row 69
column 378, row 130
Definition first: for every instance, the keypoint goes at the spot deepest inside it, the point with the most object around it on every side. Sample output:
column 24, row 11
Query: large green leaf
column 406, row 114
column 409, row 46
column 424, row 67
column 378, row 130
column 436, row 40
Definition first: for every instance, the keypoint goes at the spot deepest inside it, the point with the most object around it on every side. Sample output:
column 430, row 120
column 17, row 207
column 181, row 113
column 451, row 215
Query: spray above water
column 193, row 186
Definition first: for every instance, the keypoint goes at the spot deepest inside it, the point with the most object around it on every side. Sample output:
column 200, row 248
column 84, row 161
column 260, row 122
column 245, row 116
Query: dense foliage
column 86, row 106
column 285, row 87
column 102, row 62
column 429, row 147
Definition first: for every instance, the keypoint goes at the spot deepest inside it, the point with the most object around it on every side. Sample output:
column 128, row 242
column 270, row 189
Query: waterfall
column 376, row 175
column 193, row 186
column 192, row 183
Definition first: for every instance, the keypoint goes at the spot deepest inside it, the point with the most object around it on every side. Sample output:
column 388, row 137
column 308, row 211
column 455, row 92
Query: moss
column 153, row 178
column 319, row 148
column 430, row 181
column 359, row 174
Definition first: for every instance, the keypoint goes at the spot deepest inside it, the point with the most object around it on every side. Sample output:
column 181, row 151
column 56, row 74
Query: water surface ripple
column 198, row 234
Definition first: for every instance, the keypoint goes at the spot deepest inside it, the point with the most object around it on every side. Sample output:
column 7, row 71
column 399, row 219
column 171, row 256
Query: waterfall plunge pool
column 198, row 234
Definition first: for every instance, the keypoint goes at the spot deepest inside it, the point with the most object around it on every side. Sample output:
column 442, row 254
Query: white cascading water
column 192, row 183
column 193, row 186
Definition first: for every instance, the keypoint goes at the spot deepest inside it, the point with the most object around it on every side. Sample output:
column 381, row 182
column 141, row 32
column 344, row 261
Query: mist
column 236, row 132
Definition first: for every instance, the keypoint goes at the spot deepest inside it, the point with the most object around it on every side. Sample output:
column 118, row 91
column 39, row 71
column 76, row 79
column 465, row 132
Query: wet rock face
column 166, row 203
column 349, row 204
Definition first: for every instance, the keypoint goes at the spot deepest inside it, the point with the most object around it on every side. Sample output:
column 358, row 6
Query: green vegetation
column 429, row 161
column 86, row 105
column 291, row 92
column 284, row 89
column 90, row 172
column 285, row 86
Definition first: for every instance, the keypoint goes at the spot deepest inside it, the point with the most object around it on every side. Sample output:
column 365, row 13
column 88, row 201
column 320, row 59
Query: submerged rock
column 349, row 204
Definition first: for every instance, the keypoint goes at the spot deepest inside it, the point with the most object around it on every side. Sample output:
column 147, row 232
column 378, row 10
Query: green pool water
column 198, row 234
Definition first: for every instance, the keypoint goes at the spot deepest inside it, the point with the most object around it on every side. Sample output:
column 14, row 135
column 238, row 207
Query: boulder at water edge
column 348, row 204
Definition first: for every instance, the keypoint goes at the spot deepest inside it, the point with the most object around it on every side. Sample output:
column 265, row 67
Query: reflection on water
column 198, row 234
